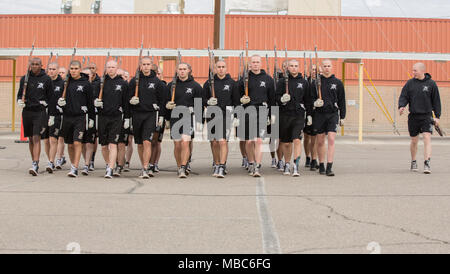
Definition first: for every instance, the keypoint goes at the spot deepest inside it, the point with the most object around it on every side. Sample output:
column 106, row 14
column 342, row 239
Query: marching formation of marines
column 77, row 107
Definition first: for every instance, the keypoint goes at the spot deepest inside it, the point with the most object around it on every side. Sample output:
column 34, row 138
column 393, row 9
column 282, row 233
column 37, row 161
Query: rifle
column 66, row 81
column 267, row 64
column 318, row 80
column 102, row 79
column 174, row 80
column 27, row 76
column 49, row 61
column 246, row 68
column 275, row 65
column 211, row 71
column 304, row 66
column 138, row 70
column 240, row 65
column 83, row 62
column 310, row 69
column 286, row 73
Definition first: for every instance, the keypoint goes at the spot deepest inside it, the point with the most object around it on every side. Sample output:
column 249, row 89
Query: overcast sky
column 379, row 8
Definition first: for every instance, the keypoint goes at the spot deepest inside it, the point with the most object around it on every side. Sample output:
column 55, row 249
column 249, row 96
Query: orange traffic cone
column 23, row 139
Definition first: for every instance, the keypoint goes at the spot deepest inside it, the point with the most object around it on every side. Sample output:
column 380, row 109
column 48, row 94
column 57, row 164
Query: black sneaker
column 126, row 168
column 414, row 166
column 182, row 172
column 329, row 172
column 287, row 169
column 274, row 163
column 216, row 170
column 109, row 173
column 144, row 174
column 221, row 172
column 250, row 169
column 280, row 165
column 117, row 171
column 63, row 161
column 50, row 167
column 257, row 171
column 58, row 164
column 85, row 171
column 322, row 169
column 155, row 168
column 426, row 167
column 314, row 165
column 91, row 166
column 308, row 162
column 73, row 172
column 34, row 169
column 150, row 167
column 150, row 172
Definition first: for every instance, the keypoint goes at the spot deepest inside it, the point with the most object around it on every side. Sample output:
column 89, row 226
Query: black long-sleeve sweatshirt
column 40, row 88
column 422, row 96
column 185, row 92
column 150, row 92
column 79, row 98
column 333, row 96
column 115, row 97
column 299, row 91
column 58, row 87
column 226, row 91
column 261, row 89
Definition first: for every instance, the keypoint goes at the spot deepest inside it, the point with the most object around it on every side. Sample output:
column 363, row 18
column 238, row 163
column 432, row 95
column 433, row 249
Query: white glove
column 134, row 100
column 212, row 101
column 308, row 120
column 43, row 103
column 126, row 123
column 341, row 122
column 61, row 102
column 51, row 121
column 155, row 106
column 318, row 103
column 273, row 119
column 91, row 123
column 160, row 121
column 167, row 124
column 235, row 122
column 21, row 103
column 285, row 98
column 245, row 100
column 170, row 105
column 98, row 103
column 268, row 120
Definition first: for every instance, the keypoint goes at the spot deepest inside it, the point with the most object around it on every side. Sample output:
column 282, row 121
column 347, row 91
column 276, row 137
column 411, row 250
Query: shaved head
column 419, row 70
column 420, row 66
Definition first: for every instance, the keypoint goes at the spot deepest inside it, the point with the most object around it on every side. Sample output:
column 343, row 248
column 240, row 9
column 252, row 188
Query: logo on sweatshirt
column 57, row 88
column 188, row 90
column 80, row 88
column 151, row 85
column 40, row 85
column 300, row 85
column 425, row 88
column 226, row 87
column 333, row 86
column 118, row 87
column 262, row 84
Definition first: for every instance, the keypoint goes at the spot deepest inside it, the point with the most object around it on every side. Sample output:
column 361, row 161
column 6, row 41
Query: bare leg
column 121, row 154
column 53, row 149
column 223, row 146
column 413, row 147
column 321, row 147
column 427, row 145
column 76, row 153
column 105, row 153
column 330, row 154
column 112, row 156
column 258, row 150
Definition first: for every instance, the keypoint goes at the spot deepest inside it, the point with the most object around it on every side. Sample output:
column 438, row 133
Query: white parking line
column 271, row 244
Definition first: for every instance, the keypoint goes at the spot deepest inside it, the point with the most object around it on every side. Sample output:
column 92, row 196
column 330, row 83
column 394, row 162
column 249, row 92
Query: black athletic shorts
column 144, row 125
column 73, row 128
column 222, row 124
column 252, row 125
column 90, row 135
column 34, row 122
column 291, row 127
column 55, row 130
column 324, row 122
column 182, row 130
column 419, row 123
column 109, row 129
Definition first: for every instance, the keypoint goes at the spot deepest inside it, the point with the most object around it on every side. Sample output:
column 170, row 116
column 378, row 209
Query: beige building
column 315, row 7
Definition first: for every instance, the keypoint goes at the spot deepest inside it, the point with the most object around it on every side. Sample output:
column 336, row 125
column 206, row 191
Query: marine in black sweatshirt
column 226, row 91
column 261, row 89
column 58, row 87
column 333, row 96
column 151, row 93
column 39, row 91
column 79, row 98
column 299, row 91
column 422, row 96
column 115, row 97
